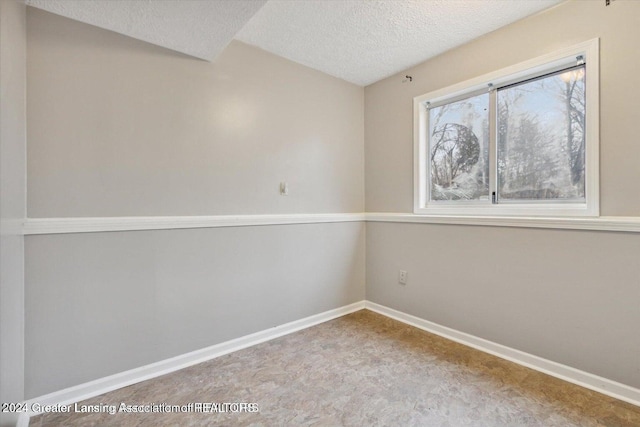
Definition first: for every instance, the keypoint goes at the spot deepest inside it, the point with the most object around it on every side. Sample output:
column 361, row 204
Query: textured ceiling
column 199, row 28
column 361, row 41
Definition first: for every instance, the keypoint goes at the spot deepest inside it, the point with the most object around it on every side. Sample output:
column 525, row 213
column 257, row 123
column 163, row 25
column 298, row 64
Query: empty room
column 319, row 213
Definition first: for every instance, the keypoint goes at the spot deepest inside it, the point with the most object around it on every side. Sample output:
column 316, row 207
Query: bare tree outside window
column 541, row 138
column 520, row 141
column 459, row 149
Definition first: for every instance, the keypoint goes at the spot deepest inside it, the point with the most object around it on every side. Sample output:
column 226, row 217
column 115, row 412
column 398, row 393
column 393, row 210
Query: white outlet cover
column 402, row 277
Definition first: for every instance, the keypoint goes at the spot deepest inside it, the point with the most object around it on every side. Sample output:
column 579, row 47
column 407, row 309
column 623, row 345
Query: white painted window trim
column 591, row 208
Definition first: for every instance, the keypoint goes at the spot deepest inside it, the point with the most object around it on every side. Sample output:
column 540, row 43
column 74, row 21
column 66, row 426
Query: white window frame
column 589, row 50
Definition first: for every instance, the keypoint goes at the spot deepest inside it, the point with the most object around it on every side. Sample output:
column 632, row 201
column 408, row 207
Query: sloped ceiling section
column 365, row 41
column 361, row 41
column 198, row 28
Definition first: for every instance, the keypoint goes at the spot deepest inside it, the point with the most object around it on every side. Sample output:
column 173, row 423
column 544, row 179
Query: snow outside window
column 520, row 141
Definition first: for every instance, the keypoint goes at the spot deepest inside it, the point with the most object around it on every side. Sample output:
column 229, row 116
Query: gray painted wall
column 101, row 303
column 12, row 205
column 569, row 296
column 118, row 127
column 564, row 295
column 389, row 103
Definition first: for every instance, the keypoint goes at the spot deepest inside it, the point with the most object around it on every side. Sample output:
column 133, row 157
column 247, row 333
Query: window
column 520, row 141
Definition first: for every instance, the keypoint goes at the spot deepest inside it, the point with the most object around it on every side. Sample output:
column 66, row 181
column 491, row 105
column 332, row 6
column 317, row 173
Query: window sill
column 519, row 210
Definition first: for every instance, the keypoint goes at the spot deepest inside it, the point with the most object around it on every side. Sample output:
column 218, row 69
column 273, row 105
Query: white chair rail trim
column 602, row 223
column 35, row 226
column 94, row 224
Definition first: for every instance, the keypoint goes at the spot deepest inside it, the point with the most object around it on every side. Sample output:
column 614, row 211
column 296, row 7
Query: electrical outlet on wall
column 402, row 277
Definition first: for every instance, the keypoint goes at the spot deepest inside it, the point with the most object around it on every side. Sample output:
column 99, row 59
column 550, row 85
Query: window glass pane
column 459, row 149
column 541, row 138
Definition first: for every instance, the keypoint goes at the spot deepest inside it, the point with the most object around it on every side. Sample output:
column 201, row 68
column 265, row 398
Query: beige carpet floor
column 359, row 370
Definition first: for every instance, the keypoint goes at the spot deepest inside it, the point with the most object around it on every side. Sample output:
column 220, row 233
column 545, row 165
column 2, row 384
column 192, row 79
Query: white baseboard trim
column 100, row 386
column 113, row 382
column 23, row 419
column 584, row 379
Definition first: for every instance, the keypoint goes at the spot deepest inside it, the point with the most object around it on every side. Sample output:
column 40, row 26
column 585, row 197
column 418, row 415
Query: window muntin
column 538, row 195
